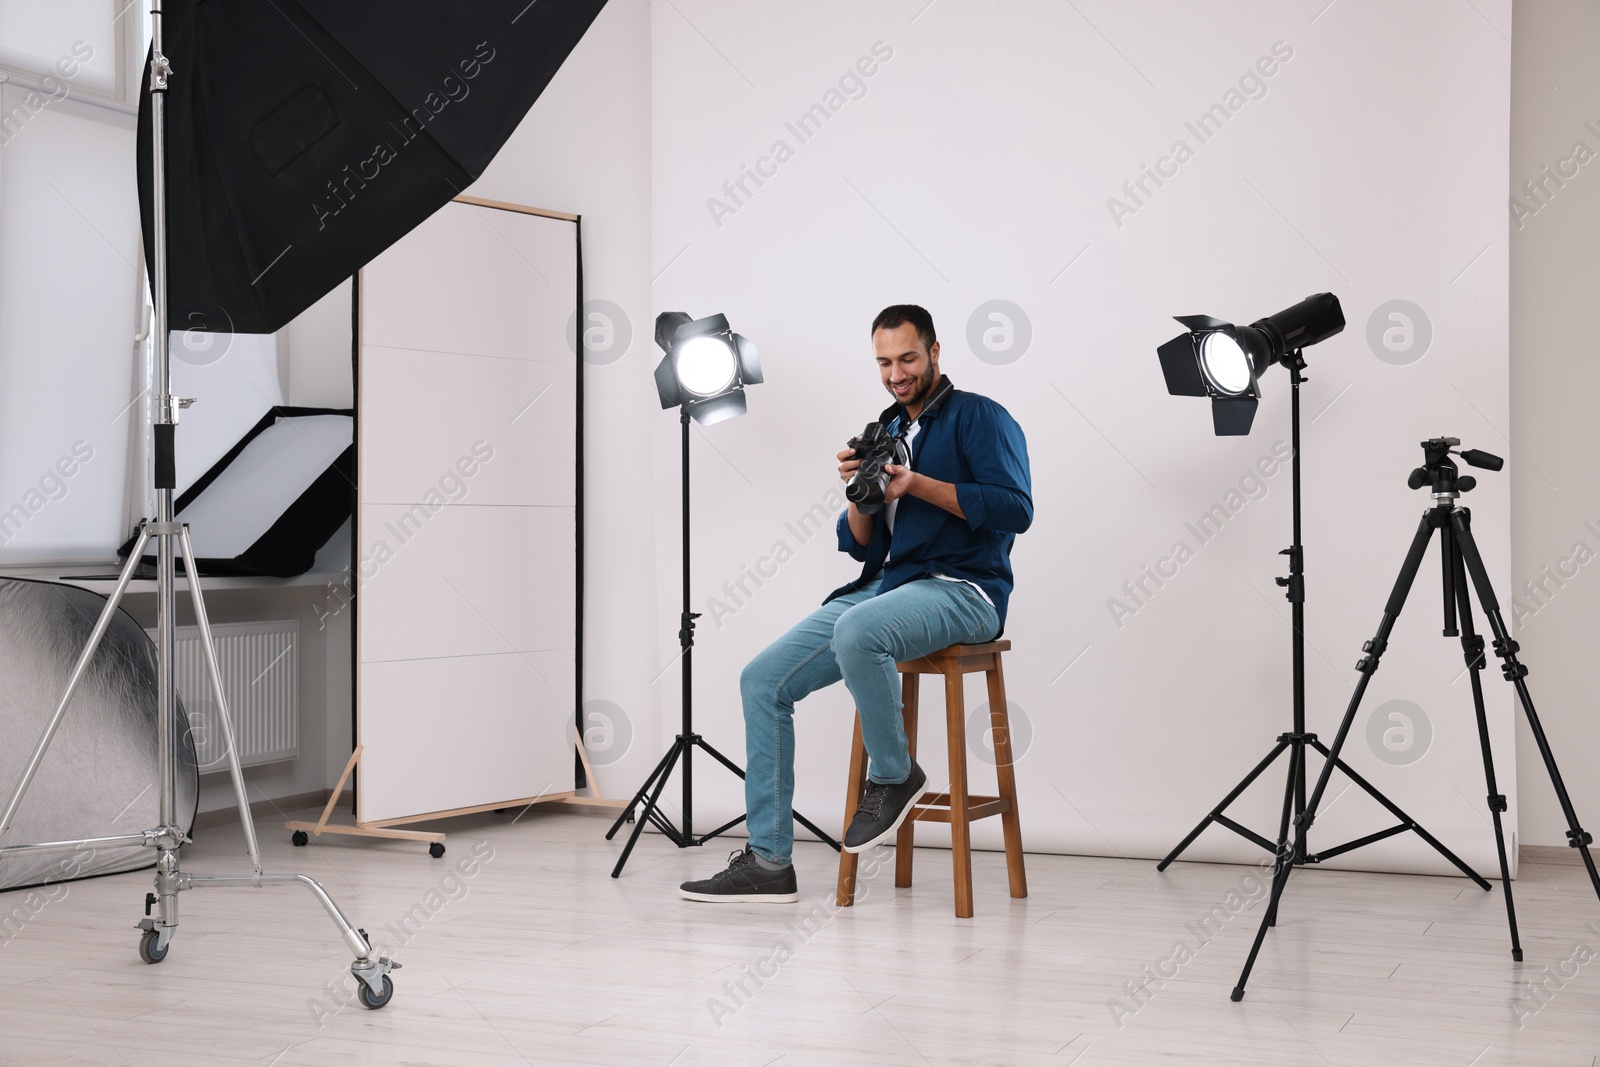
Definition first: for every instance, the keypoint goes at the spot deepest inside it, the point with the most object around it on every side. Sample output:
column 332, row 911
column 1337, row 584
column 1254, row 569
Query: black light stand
column 673, row 331
column 1459, row 559
column 1298, row 740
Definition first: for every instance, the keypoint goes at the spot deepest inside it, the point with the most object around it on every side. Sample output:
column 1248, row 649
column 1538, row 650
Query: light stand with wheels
column 374, row 985
column 1459, row 559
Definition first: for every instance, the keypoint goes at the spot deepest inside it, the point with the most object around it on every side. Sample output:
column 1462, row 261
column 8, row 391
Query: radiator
column 260, row 675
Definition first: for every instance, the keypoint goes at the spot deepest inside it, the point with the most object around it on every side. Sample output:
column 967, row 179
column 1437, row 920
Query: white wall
column 317, row 354
column 1554, row 379
column 69, row 309
column 977, row 165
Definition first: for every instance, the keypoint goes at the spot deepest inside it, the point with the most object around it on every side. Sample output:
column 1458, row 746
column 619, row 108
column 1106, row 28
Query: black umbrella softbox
column 306, row 136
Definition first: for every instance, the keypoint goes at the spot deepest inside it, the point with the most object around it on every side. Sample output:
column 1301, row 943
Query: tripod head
column 1439, row 472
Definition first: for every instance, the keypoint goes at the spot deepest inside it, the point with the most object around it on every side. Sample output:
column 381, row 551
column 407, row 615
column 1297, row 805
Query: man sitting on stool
column 942, row 579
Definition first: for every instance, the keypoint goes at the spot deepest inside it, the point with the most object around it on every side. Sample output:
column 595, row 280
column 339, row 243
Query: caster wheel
column 375, row 1001
column 147, row 947
column 300, row 838
column 436, row 850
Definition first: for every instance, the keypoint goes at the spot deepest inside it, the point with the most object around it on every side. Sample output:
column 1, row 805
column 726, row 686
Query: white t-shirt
column 890, row 508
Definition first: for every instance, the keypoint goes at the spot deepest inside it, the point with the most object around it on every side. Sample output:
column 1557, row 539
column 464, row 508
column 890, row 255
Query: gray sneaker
column 883, row 808
column 744, row 882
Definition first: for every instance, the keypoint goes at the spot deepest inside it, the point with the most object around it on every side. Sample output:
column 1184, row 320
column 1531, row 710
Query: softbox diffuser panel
column 99, row 776
column 306, row 136
column 275, row 499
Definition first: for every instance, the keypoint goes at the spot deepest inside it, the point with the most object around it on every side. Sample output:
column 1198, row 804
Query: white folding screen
column 466, row 629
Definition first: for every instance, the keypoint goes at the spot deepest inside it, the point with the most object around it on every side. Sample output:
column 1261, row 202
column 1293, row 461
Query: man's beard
column 923, row 390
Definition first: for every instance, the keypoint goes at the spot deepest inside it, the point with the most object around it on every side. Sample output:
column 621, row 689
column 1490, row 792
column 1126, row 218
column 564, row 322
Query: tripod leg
column 206, row 642
column 1220, row 808
column 1280, row 878
column 827, row 838
column 1515, row 673
column 1472, row 648
column 644, row 790
column 1367, row 665
column 719, row 757
column 1406, row 823
column 98, row 634
column 1292, row 790
column 649, row 807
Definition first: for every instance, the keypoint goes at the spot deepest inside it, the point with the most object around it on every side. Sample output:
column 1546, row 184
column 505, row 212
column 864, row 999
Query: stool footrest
column 935, row 807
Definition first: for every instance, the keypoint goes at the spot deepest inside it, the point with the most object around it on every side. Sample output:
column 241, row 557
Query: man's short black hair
column 897, row 315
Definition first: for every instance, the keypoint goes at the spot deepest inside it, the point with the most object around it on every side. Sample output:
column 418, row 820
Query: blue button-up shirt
column 975, row 444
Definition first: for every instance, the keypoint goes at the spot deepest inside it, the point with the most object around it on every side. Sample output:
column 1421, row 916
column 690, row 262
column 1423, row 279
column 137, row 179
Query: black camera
column 875, row 448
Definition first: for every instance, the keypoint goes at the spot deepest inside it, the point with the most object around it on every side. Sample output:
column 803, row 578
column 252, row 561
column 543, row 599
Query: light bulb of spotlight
column 706, row 365
column 1225, row 363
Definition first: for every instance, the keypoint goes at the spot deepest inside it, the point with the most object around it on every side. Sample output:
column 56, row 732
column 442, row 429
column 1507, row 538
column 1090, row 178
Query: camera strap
column 893, row 412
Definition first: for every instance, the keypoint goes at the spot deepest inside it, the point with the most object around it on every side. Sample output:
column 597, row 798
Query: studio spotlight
column 1226, row 362
column 706, row 366
column 703, row 375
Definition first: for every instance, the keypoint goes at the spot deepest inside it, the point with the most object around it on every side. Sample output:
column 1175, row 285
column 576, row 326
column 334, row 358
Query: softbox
column 275, row 498
column 306, row 136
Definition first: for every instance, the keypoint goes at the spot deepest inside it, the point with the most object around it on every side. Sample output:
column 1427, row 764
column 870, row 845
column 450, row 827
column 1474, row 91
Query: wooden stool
column 956, row 807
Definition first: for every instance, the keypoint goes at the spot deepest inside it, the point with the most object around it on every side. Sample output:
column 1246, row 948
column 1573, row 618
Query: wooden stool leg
column 955, row 712
column 910, row 685
column 1005, row 772
column 846, row 893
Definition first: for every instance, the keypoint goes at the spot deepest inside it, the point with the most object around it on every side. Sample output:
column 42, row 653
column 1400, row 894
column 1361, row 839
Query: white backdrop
column 960, row 154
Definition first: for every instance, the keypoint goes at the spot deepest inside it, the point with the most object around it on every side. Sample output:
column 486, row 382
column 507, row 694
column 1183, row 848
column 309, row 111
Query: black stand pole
column 1460, row 559
column 683, row 746
column 1298, row 740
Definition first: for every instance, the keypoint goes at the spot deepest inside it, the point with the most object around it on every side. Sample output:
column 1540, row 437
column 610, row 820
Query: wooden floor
column 538, row 957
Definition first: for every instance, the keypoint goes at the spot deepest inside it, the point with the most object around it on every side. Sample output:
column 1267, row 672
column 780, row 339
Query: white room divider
column 467, row 629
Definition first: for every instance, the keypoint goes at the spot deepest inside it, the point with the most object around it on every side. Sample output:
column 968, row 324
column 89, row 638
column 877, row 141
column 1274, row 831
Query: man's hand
column 860, row 525
column 904, row 481
column 900, row 479
column 848, row 464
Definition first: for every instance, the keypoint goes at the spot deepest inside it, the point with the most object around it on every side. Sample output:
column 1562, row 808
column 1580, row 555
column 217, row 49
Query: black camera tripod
column 1459, row 559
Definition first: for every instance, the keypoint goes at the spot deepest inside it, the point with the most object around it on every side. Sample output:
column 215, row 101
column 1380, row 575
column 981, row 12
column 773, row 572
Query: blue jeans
column 858, row 637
